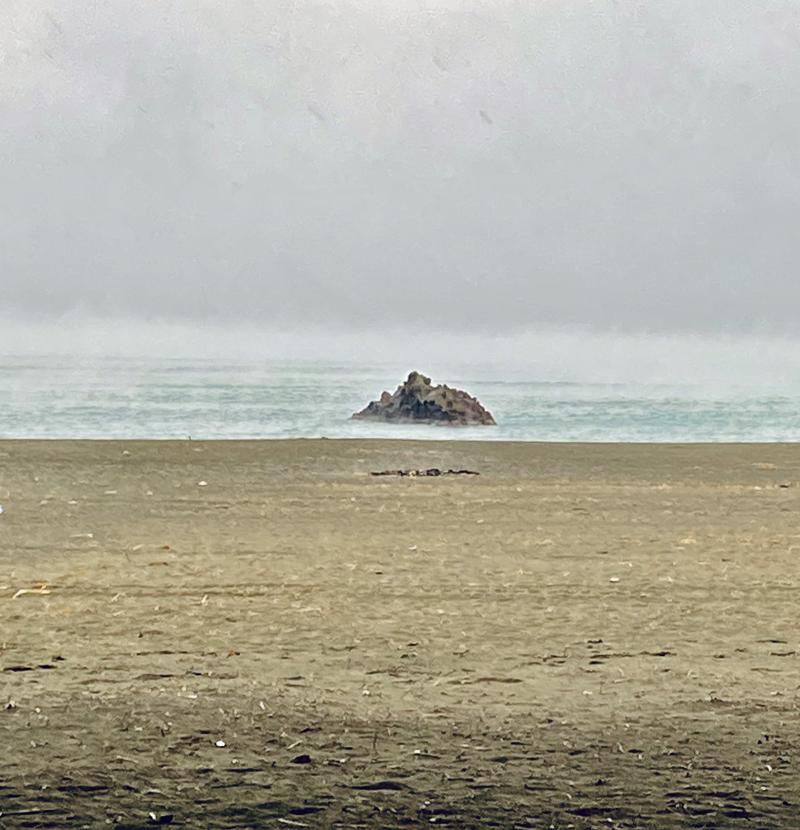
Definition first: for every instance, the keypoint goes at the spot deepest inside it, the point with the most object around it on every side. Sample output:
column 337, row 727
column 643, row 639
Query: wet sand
column 582, row 636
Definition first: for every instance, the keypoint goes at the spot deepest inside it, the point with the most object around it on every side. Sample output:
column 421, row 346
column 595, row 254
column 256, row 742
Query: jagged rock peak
column 418, row 401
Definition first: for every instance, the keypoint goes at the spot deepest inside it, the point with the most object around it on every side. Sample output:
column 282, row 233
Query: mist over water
column 159, row 380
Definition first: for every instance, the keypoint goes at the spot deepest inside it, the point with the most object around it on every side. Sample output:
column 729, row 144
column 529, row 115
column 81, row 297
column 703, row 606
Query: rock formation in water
column 418, row 401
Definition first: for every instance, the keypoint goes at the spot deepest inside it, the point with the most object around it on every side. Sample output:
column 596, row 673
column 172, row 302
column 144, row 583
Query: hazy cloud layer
column 502, row 164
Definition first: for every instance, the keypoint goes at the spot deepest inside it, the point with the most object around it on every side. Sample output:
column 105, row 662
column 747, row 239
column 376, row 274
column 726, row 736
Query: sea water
column 45, row 396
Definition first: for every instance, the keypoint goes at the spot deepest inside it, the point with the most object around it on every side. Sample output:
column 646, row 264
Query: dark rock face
column 418, row 401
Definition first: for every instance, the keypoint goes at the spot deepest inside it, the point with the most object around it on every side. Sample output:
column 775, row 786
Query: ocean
column 538, row 399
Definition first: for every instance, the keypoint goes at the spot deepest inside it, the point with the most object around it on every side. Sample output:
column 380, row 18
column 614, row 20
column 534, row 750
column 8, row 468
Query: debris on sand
column 418, row 401
column 380, row 785
column 38, row 589
column 432, row 472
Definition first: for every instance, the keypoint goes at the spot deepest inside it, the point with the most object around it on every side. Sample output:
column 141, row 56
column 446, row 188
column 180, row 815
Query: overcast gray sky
column 498, row 164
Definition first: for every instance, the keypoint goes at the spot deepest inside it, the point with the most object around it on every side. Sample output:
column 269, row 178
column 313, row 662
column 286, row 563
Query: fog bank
column 496, row 165
column 715, row 363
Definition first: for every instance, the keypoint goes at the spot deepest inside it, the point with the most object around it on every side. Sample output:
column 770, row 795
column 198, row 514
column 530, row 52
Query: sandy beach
column 262, row 634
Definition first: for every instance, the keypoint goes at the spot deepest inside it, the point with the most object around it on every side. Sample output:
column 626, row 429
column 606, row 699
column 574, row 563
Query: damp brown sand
column 582, row 636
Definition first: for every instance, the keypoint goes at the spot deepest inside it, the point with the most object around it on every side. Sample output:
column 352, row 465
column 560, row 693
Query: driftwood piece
column 431, row 472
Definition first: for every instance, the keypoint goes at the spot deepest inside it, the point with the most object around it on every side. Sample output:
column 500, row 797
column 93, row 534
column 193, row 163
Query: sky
column 629, row 165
